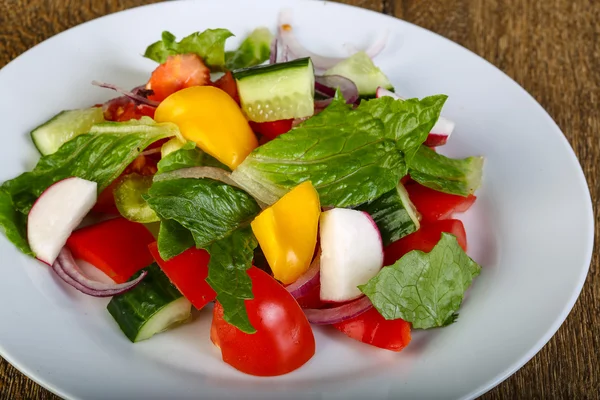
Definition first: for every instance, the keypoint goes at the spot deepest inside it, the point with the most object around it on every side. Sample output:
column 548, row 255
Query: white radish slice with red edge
column 441, row 131
column 56, row 213
column 351, row 253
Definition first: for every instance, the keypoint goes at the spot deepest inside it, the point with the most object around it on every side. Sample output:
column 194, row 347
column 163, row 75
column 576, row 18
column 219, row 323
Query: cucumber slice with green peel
column 63, row 127
column 153, row 306
column 129, row 201
column 277, row 91
column 359, row 68
column 394, row 214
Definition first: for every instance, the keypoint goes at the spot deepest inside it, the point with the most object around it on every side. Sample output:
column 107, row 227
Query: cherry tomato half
column 178, row 72
column 272, row 129
column 425, row 239
column 434, row 205
column 283, row 340
column 371, row 328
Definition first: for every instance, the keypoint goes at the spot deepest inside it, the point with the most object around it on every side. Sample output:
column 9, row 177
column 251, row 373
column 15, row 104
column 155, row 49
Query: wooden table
column 550, row 47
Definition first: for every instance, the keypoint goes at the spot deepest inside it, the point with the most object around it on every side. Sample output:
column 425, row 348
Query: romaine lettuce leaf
column 216, row 217
column 208, row 45
column 254, row 50
column 13, row 223
column 448, row 175
column 188, row 156
column 173, row 239
column 100, row 157
column 210, row 210
column 230, row 258
column 351, row 156
column 425, row 289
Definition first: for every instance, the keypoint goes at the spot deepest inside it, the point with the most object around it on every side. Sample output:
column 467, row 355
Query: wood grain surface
column 550, row 47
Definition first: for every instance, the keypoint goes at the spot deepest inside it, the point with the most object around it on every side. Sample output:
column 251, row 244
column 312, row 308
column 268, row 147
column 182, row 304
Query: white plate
column 531, row 227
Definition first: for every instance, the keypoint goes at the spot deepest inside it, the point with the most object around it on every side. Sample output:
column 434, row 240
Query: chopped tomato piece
column 123, row 109
column 227, row 84
column 434, row 205
column 272, row 129
column 371, row 328
column 283, row 340
column 425, row 239
column 178, row 72
column 188, row 272
column 117, row 247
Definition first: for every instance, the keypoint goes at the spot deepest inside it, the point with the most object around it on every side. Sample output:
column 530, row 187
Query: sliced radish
column 352, row 253
column 441, row 131
column 58, row 211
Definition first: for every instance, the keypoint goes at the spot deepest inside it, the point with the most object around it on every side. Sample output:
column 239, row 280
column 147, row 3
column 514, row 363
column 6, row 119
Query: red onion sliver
column 288, row 39
column 273, row 57
column 215, row 173
column 303, row 285
column 327, row 85
column 133, row 96
column 150, row 152
column 66, row 268
column 328, row 316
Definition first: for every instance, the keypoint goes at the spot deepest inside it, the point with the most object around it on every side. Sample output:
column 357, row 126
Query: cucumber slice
column 153, row 306
column 63, row 127
column 129, row 201
column 359, row 68
column 277, row 91
column 394, row 214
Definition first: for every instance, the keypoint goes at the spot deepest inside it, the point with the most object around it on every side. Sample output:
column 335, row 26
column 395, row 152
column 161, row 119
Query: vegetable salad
column 286, row 187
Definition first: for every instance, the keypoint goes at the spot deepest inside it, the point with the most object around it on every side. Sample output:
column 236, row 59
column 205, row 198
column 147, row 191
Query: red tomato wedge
column 425, row 239
column 117, row 247
column 188, row 272
column 272, row 129
column 283, row 340
column 434, row 205
column 123, row 109
column 178, row 72
column 371, row 328
column 227, row 84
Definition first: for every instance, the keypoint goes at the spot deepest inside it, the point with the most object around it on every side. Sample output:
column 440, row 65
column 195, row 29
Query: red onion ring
column 328, row 316
column 66, row 268
column 303, row 285
column 288, row 39
column 133, row 96
column 327, row 85
column 273, row 56
column 214, row 173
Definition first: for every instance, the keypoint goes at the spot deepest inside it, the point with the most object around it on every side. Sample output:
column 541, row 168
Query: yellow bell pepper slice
column 287, row 232
column 209, row 117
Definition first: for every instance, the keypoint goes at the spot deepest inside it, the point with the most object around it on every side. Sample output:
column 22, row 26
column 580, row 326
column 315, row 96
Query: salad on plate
column 286, row 187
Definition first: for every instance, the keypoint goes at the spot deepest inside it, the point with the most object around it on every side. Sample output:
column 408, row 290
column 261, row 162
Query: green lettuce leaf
column 230, row 258
column 173, row 239
column 425, row 289
column 13, row 223
column 209, row 45
column 408, row 121
column 216, row 217
column 100, row 157
column 254, row 50
column 351, row 156
column 448, row 175
column 210, row 210
column 188, row 156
